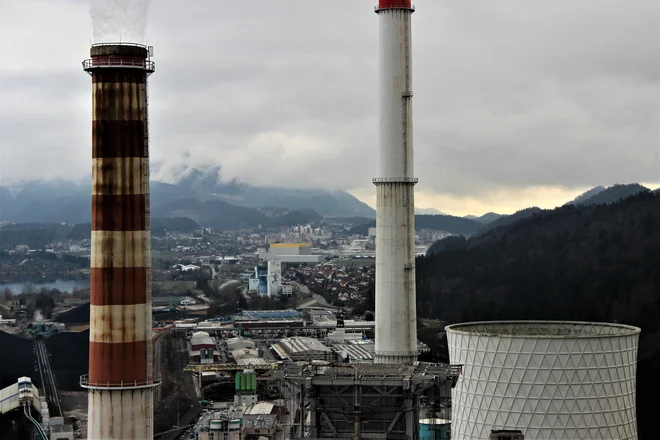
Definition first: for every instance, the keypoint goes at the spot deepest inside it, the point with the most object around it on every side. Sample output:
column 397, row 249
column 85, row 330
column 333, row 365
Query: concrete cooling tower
column 546, row 379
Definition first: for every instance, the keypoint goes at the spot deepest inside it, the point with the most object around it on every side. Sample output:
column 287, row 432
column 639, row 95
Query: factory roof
column 198, row 340
column 244, row 353
column 239, row 343
column 301, row 344
column 290, row 245
column 355, row 352
column 259, row 421
column 280, row 351
column 260, row 408
column 289, row 313
column 543, row 329
column 231, row 413
column 251, row 361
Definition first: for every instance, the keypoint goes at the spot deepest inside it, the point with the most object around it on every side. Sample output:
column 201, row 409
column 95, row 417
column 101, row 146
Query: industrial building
column 224, row 424
column 274, row 280
column 545, row 379
column 363, row 400
column 240, row 343
column 267, row 319
column 327, row 319
column 355, row 351
column 121, row 377
column 302, row 349
column 291, row 253
column 202, row 348
column 259, row 281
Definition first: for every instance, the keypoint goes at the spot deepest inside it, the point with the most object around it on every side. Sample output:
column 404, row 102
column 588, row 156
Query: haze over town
column 511, row 113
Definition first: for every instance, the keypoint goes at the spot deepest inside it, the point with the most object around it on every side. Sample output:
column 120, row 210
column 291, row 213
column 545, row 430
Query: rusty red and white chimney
column 121, row 378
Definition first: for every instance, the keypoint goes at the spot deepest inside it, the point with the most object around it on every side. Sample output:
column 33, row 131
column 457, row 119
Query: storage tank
column 216, row 425
column 548, row 379
column 235, row 424
column 434, row 429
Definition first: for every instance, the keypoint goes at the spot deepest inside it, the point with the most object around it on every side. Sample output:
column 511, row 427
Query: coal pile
column 69, row 358
column 77, row 315
column 17, row 360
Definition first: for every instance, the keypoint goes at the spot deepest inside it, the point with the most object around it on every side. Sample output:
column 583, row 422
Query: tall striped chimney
column 121, row 379
column 396, row 322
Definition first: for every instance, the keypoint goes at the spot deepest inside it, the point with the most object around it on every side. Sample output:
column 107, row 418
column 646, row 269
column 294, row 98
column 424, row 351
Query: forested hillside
column 593, row 263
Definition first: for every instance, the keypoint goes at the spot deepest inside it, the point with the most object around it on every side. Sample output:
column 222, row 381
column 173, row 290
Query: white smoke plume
column 119, row 20
column 38, row 316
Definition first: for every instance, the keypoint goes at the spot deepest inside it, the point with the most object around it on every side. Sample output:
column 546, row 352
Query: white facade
column 549, row 379
column 396, row 326
column 274, row 276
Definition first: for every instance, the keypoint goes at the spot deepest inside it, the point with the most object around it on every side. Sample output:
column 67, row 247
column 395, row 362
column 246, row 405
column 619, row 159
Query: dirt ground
column 74, row 409
column 177, row 390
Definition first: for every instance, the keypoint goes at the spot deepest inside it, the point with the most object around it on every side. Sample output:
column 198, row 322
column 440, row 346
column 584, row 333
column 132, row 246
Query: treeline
column 592, row 263
column 38, row 235
column 449, row 223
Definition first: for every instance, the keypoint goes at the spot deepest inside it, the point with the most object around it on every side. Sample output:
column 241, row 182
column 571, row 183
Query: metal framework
column 122, row 385
column 362, row 401
column 198, row 368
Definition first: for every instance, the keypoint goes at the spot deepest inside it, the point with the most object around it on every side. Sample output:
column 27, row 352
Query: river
column 62, row 285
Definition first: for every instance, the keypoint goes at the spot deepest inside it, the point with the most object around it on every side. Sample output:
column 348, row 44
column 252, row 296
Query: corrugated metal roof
column 355, row 352
column 251, row 361
column 302, row 344
column 261, row 408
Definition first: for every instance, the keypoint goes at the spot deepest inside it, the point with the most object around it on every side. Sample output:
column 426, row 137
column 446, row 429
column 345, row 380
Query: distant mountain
column 330, row 203
column 488, row 217
column 221, row 215
column 509, row 219
column 428, row 211
column 46, row 201
column 447, row 223
column 70, row 202
column 611, row 194
column 585, row 195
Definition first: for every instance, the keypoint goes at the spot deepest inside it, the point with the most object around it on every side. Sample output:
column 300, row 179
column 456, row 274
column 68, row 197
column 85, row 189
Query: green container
column 254, row 381
column 434, row 429
column 238, row 381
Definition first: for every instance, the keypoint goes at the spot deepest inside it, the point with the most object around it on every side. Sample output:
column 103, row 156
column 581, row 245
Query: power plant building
column 544, row 379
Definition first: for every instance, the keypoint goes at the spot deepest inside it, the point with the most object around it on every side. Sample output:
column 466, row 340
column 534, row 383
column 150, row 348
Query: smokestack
column 396, row 320
column 121, row 379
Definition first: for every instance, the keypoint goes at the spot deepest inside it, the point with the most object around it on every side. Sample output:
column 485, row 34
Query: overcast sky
column 517, row 102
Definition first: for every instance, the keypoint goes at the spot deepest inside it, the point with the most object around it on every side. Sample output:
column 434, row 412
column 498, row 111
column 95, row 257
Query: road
column 318, row 298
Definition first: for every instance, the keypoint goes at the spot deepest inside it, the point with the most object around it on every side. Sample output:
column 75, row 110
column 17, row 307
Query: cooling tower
column 548, row 379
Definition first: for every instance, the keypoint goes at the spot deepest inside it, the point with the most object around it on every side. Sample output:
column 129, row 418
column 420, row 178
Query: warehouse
column 302, row 349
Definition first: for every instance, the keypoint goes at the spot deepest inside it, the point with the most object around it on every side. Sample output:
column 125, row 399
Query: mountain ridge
column 69, row 201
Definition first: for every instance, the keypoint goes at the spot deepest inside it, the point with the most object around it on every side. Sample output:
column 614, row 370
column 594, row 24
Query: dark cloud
column 508, row 94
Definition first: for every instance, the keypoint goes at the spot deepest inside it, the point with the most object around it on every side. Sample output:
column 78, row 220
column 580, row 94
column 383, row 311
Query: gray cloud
column 507, row 94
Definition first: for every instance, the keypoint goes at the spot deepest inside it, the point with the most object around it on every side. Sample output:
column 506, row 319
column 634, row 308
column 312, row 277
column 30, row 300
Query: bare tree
column 29, row 289
column 7, row 293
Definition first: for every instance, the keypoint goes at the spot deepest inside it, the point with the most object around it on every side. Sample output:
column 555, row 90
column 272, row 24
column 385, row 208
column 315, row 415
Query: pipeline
column 36, row 424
